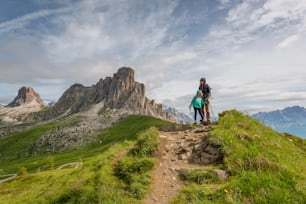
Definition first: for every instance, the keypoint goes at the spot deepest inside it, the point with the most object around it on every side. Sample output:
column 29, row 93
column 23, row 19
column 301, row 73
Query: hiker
column 206, row 95
column 197, row 103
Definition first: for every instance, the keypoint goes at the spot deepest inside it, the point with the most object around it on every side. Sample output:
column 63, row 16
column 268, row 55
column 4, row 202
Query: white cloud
column 289, row 40
column 21, row 21
column 179, row 57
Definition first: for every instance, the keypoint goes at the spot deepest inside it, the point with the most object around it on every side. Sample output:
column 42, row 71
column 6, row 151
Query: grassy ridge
column 265, row 166
column 95, row 182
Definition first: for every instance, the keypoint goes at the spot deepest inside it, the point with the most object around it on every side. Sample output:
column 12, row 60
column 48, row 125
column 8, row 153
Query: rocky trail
column 189, row 149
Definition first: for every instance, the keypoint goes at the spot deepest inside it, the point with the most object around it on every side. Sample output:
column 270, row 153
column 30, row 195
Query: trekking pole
column 212, row 112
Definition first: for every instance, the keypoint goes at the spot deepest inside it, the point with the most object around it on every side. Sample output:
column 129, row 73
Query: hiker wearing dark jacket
column 206, row 95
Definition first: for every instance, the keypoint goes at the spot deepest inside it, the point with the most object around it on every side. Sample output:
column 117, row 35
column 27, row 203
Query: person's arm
column 191, row 103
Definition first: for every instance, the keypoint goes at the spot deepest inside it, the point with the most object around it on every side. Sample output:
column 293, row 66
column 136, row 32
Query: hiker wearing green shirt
column 197, row 103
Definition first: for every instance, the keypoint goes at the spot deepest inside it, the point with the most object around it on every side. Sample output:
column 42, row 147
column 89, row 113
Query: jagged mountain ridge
column 291, row 120
column 120, row 92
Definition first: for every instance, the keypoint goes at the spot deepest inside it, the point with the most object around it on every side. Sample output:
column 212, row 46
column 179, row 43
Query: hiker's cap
column 199, row 91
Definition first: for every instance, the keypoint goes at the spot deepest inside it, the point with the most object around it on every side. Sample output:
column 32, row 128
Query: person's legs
column 207, row 113
column 195, row 113
column 201, row 114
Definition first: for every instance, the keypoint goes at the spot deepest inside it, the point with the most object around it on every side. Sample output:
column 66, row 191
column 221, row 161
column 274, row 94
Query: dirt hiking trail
column 188, row 149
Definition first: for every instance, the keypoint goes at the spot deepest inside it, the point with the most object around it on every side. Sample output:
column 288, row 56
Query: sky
column 252, row 52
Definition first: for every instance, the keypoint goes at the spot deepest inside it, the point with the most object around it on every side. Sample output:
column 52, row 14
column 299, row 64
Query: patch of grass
column 14, row 147
column 134, row 168
column 265, row 166
column 198, row 176
column 146, row 144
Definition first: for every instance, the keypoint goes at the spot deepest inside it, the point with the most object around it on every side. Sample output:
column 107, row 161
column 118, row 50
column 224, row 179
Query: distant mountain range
column 180, row 117
column 291, row 120
column 120, row 93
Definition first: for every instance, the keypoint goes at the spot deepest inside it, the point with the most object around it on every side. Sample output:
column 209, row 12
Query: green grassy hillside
column 264, row 166
column 94, row 182
column 13, row 149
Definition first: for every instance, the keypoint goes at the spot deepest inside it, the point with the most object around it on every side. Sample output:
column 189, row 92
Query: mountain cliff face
column 26, row 95
column 120, row 92
column 27, row 101
column 291, row 120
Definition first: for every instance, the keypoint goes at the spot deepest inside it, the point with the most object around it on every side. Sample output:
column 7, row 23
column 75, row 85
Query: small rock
column 182, row 157
column 220, row 173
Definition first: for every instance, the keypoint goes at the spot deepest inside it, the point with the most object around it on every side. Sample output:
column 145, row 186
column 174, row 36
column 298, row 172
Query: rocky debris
column 183, row 150
column 84, row 129
column 195, row 147
column 26, row 95
column 7, row 130
column 67, row 137
column 206, row 152
column 120, row 92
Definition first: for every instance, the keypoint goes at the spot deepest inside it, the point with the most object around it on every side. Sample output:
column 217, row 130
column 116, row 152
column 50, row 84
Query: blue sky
column 252, row 52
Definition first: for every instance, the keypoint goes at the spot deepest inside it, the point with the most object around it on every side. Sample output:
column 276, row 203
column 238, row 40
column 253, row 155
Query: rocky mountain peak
column 125, row 74
column 26, row 95
column 120, row 92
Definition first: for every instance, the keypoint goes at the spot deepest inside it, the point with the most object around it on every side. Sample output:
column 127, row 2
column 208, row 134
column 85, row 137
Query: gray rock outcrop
column 26, row 95
column 119, row 92
column 26, row 102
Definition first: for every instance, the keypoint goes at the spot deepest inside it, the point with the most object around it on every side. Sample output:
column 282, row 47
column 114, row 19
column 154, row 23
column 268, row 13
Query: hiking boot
column 208, row 122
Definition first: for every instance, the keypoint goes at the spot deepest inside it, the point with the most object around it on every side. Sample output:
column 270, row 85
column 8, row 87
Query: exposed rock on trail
column 188, row 149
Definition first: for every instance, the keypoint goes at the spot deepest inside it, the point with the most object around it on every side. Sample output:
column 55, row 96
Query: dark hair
column 203, row 79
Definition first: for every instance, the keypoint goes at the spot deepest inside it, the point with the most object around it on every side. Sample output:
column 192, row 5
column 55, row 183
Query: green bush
column 146, row 144
column 134, row 168
column 22, row 171
column 129, row 166
column 138, row 190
